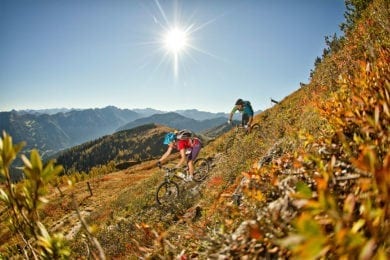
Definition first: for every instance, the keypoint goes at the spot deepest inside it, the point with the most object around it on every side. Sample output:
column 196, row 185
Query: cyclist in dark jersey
column 246, row 109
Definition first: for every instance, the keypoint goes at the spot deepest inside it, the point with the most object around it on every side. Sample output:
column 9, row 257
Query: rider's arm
column 167, row 153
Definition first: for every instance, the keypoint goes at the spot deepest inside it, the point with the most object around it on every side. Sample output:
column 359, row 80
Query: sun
column 175, row 40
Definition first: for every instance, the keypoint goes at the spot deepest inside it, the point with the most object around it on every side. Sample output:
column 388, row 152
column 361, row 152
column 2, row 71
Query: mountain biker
column 188, row 147
column 246, row 109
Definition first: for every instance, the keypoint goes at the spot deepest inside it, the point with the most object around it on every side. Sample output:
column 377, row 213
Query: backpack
column 247, row 103
column 248, row 107
column 169, row 138
column 184, row 134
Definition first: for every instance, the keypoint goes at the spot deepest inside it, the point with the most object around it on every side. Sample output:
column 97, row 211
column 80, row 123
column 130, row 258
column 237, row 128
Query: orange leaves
column 367, row 160
column 382, row 176
column 215, row 181
column 349, row 207
column 365, row 185
column 251, row 191
column 322, row 184
column 349, row 217
column 254, row 232
column 256, row 194
column 247, row 175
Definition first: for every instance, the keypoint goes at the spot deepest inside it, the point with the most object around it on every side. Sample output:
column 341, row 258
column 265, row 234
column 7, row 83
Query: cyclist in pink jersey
column 188, row 147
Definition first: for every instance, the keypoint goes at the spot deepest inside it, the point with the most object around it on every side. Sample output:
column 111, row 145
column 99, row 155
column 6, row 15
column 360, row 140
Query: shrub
column 24, row 199
column 350, row 221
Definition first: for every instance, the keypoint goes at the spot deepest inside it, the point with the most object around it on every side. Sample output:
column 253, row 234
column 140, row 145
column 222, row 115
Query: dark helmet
column 184, row 134
column 239, row 102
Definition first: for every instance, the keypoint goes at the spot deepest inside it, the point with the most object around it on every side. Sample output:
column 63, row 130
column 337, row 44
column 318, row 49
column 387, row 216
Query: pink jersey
column 188, row 143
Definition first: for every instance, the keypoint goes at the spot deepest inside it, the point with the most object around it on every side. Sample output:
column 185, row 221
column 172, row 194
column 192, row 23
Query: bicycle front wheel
column 167, row 192
column 202, row 168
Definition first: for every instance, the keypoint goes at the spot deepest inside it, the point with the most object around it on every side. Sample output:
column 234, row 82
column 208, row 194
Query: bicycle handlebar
column 168, row 169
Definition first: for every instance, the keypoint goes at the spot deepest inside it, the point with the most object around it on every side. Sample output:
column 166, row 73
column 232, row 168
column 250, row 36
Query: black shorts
column 245, row 119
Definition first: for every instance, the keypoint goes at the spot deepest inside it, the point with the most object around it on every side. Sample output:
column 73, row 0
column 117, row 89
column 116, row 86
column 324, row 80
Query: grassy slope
column 293, row 126
column 207, row 224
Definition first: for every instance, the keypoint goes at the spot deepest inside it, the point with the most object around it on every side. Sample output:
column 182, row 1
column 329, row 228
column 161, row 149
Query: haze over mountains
column 135, row 145
column 50, row 131
column 177, row 121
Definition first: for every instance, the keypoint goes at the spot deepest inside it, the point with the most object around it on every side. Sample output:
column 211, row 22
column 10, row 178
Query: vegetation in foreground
column 317, row 186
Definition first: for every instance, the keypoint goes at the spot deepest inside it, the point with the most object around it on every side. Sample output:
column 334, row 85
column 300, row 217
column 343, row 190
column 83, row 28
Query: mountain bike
column 169, row 191
column 240, row 132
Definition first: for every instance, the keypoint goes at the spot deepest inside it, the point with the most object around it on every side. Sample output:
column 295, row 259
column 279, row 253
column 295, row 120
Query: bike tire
column 202, row 168
column 167, row 192
column 256, row 130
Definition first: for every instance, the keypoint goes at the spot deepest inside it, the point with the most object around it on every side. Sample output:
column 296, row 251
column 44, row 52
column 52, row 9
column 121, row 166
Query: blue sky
column 91, row 54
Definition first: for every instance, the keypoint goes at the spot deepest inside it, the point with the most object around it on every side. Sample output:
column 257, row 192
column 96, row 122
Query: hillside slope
column 123, row 148
column 324, row 155
column 134, row 145
column 316, row 185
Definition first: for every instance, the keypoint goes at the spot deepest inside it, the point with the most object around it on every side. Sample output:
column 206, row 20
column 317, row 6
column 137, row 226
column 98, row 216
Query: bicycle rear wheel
column 202, row 168
column 256, row 130
column 167, row 192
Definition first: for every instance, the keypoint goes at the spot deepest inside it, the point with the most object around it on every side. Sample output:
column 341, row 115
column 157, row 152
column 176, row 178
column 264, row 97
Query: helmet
column 239, row 102
column 169, row 138
column 184, row 134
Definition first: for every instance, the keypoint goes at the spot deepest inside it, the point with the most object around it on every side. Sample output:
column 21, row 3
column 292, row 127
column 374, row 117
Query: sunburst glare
column 174, row 39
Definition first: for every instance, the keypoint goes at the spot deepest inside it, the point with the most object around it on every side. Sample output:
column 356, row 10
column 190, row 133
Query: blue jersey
column 246, row 110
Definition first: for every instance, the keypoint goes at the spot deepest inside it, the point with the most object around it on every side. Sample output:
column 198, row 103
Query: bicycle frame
column 169, row 174
column 168, row 190
column 201, row 166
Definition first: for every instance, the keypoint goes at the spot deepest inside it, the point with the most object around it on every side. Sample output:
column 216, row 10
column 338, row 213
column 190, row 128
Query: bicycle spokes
column 201, row 169
column 167, row 192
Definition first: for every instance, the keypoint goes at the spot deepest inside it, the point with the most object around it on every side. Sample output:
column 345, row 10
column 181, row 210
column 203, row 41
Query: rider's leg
column 191, row 158
column 245, row 119
column 191, row 168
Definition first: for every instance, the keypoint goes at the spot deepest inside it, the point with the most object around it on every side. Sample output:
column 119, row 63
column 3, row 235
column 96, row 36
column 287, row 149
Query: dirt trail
column 60, row 213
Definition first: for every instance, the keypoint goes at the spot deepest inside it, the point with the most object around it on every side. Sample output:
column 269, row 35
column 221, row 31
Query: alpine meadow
column 315, row 184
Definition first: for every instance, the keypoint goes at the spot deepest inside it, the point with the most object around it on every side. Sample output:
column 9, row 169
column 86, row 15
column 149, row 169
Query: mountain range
column 134, row 145
column 50, row 132
column 176, row 120
column 314, row 185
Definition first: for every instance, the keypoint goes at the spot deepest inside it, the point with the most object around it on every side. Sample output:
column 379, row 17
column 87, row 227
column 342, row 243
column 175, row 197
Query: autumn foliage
column 316, row 185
